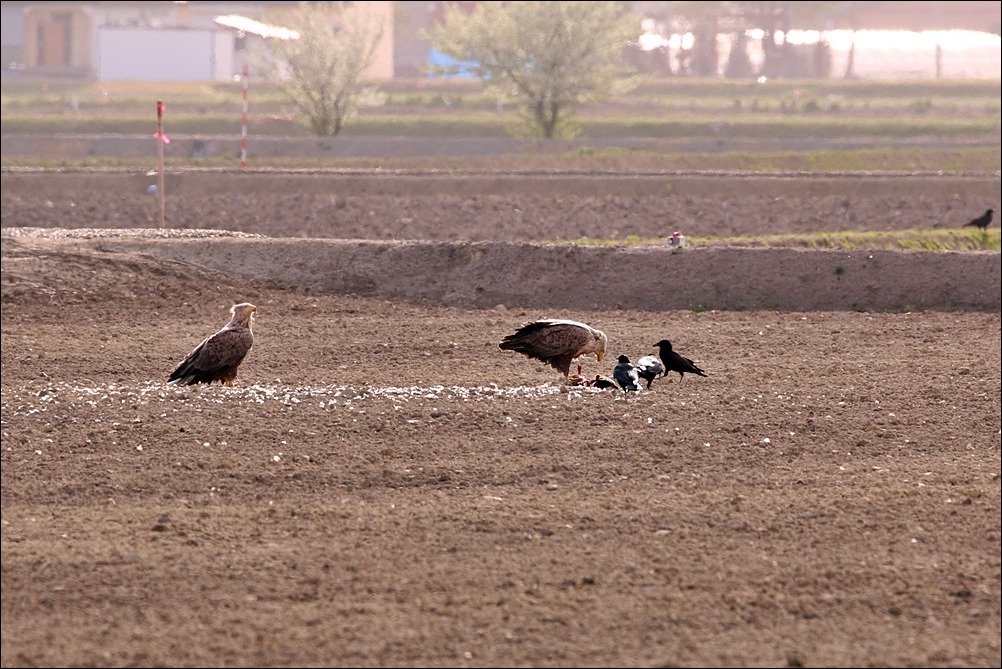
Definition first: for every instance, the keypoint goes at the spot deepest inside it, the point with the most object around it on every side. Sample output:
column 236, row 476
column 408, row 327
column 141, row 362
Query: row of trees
column 547, row 57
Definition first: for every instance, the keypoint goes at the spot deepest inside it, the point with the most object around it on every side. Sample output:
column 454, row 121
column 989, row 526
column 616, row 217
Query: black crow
column 674, row 362
column 626, row 374
column 982, row 221
column 648, row 368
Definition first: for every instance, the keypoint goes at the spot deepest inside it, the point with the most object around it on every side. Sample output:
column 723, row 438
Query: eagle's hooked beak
column 599, row 356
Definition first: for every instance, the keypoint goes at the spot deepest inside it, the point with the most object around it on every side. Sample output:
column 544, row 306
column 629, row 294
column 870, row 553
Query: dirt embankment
column 649, row 278
column 480, row 240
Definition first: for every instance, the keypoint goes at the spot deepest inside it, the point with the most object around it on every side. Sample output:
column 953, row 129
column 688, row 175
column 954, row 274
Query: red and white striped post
column 161, row 140
column 243, row 125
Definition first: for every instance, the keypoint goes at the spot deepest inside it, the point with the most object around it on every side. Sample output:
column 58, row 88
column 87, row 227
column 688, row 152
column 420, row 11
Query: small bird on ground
column 674, row 362
column 982, row 221
column 601, row 382
column 218, row 356
column 626, row 374
column 648, row 368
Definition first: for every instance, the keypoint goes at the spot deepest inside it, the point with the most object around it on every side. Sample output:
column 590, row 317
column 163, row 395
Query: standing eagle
column 556, row 342
column 218, row 356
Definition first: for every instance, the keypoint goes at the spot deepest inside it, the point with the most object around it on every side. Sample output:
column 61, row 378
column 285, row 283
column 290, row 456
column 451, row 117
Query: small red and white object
column 677, row 240
column 159, row 134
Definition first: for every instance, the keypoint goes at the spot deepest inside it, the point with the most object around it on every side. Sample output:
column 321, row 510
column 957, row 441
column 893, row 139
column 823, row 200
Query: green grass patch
column 673, row 124
column 658, row 108
column 789, row 127
column 485, row 123
column 960, row 239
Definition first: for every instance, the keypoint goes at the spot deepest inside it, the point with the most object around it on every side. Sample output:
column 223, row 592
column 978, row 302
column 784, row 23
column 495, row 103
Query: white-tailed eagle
column 556, row 342
column 218, row 356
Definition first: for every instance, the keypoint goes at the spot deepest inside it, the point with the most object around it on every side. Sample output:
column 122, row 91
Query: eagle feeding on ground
column 218, row 356
column 556, row 342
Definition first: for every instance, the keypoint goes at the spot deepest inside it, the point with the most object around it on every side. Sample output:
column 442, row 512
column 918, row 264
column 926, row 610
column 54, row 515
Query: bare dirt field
column 384, row 487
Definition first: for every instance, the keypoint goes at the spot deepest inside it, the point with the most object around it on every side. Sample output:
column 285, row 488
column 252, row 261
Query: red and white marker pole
column 243, row 126
column 161, row 140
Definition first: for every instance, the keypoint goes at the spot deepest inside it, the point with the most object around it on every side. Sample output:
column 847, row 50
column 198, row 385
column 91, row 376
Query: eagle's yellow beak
column 599, row 356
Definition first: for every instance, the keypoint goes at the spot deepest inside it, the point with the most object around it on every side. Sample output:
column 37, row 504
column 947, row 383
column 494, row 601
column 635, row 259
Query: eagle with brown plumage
column 218, row 356
column 556, row 342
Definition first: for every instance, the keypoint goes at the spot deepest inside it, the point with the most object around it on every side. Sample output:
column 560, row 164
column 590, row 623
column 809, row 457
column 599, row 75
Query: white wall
column 222, row 55
column 142, row 54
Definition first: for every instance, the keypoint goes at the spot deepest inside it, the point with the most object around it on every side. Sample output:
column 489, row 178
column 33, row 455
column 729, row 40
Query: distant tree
column 739, row 65
column 322, row 70
column 551, row 56
column 773, row 17
column 822, row 59
column 776, row 16
column 701, row 19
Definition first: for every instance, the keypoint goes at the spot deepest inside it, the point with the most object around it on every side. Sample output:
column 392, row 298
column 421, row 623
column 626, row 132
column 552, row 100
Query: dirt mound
column 487, row 275
column 35, row 272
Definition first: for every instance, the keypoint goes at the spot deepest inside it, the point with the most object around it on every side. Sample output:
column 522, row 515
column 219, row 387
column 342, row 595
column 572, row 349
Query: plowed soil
column 384, row 487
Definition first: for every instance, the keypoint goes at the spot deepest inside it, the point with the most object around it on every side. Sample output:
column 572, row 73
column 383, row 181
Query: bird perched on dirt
column 556, row 342
column 602, row 382
column 626, row 374
column 982, row 221
column 674, row 362
column 648, row 368
column 218, row 356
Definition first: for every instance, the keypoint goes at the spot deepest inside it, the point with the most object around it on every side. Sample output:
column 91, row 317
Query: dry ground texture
column 384, row 487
